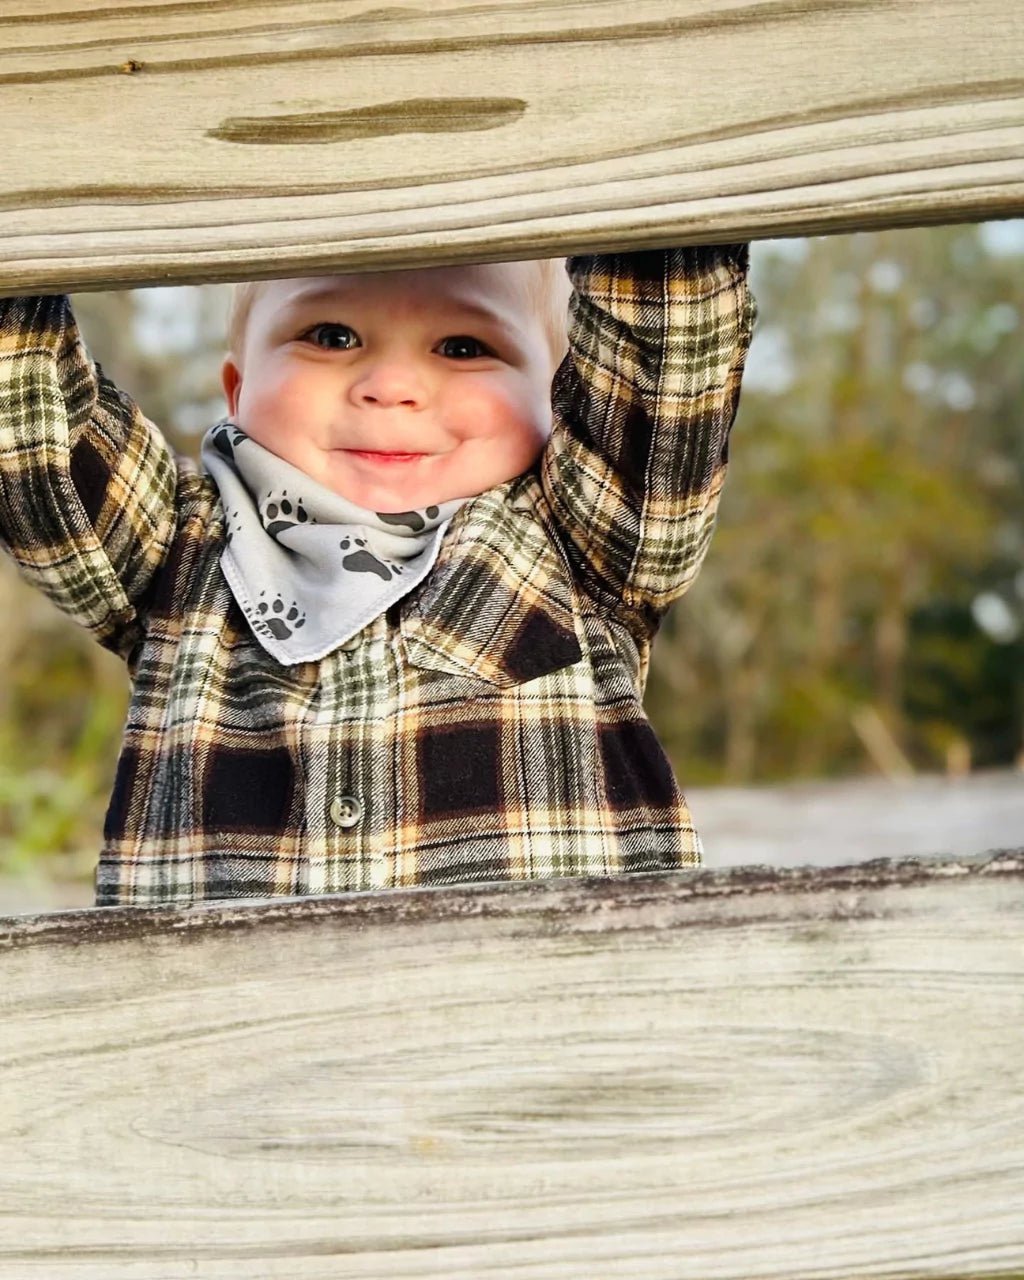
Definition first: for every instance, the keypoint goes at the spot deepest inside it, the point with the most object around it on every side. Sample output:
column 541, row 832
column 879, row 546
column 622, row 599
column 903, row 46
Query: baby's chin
column 390, row 499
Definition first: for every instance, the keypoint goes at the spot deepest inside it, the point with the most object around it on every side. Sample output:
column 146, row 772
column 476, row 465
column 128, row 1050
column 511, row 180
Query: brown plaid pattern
column 488, row 727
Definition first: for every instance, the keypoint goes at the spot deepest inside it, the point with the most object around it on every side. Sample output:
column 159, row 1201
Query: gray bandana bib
column 308, row 568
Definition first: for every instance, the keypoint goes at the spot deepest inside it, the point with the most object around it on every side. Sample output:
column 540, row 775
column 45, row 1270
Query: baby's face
column 400, row 389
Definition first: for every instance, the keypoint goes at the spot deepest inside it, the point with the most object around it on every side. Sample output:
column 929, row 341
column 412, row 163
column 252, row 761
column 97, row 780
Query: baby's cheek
column 517, row 436
column 496, row 408
column 270, row 401
column 529, row 428
column 529, row 446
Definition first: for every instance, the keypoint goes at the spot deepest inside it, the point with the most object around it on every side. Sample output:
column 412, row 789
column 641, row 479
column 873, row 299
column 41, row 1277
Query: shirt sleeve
column 643, row 404
column 87, row 485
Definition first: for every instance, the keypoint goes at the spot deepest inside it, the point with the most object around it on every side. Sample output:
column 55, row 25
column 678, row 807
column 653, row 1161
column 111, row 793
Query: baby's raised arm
column 643, row 405
column 87, row 485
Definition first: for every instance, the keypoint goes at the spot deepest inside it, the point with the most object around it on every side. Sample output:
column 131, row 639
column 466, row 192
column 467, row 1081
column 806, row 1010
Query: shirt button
column 346, row 811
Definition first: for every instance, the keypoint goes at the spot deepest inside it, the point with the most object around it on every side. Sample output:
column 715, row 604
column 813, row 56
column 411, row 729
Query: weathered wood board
column 170, row 142
column 748, row 1074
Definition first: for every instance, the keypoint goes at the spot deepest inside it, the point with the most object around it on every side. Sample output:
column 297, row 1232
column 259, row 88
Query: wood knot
column 412, row 115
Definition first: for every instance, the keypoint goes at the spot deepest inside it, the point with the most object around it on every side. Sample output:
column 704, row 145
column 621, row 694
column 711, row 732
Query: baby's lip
column 386, row 455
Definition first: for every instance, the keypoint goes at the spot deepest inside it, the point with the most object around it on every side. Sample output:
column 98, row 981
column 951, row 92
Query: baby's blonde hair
column 242, row 297
column 548, row 290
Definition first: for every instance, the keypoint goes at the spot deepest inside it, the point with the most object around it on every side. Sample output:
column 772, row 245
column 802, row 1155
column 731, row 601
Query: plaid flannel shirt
column 490, row 725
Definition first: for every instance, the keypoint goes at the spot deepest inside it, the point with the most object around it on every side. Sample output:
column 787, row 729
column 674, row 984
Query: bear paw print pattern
column 226, row 440
column 277, row 619
column 362, row 561
column 281, row 512
column 232, row 525
column 409, row 519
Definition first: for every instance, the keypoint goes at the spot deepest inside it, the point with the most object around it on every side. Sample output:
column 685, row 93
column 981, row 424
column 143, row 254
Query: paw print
column 363, row 561
column 226, row 439
column 281, row 513
column 277, row 619
column 232, row 525
column 409, row 519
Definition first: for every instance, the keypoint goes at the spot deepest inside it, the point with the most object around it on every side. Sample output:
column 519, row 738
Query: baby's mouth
column 385, row 455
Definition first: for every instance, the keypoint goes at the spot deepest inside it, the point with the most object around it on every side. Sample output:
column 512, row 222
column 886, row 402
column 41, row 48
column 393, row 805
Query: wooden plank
column 186, row 140
column 749, row 1074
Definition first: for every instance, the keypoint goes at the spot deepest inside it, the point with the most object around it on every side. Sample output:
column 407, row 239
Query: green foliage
column 58, row 743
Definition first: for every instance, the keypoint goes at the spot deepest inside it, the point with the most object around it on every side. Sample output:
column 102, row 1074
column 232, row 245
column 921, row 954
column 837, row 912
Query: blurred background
column 845, row 679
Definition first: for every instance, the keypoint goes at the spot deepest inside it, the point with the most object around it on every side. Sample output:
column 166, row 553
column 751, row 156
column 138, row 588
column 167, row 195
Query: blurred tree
column 876, row 482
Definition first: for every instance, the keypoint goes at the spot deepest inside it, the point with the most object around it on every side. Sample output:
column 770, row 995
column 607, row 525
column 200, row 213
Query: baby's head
column 401, row 389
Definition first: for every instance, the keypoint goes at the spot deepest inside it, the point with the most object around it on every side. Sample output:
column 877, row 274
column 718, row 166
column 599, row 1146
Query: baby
column 396, row 632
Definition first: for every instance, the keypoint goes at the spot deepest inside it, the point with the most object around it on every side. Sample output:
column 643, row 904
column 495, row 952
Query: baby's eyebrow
column 311, row 297
column 505, row 326
column 468, row 308
column 475, row 310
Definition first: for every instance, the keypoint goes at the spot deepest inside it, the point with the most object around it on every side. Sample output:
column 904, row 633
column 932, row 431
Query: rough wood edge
column 141, row 269
column 552, row 899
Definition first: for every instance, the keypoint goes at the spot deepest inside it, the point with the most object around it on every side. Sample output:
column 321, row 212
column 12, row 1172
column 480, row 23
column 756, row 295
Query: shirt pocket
column 499, row 612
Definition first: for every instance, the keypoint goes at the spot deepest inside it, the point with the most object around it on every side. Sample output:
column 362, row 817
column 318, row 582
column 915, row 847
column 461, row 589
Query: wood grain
column 746, row 1074
column 186, row 140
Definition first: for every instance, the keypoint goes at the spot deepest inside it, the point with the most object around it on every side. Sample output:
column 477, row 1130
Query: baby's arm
column 643, row 404
column 87, row 485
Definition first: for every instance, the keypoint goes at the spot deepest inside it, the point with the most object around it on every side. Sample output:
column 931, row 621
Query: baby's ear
column 231, row 381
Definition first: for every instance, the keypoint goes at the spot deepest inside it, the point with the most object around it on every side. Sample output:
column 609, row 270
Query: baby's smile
column 385, row 456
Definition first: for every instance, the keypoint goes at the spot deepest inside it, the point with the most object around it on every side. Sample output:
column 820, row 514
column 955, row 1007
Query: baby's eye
column 332, row 337
column 462, row 347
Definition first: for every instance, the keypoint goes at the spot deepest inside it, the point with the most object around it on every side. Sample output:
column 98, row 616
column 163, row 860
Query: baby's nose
column 389, row 384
